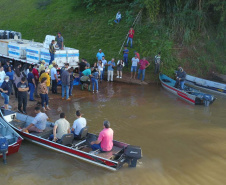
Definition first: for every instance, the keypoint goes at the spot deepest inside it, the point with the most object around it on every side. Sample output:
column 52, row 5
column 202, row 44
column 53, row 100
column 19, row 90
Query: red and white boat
column 120, row 154
column 188, row 94
column 12, row 138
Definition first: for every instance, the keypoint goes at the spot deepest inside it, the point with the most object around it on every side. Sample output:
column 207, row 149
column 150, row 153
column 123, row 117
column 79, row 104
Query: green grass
column 89, row 32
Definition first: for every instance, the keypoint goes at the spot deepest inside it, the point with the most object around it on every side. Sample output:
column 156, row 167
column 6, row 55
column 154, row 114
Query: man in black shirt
column 22, row 95
column 82, row 66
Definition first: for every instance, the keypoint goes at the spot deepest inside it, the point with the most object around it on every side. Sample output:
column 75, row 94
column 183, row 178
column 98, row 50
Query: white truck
column 30, row 52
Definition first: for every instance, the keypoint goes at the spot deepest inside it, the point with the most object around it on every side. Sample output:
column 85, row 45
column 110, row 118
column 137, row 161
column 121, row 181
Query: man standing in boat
column 105, row 139
column 39, row 122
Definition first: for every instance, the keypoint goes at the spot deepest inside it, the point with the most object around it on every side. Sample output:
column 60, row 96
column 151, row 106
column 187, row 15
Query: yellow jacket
column 45, row 75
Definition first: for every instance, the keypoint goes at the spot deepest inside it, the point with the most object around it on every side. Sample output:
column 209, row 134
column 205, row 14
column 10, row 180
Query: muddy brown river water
column 182, row 144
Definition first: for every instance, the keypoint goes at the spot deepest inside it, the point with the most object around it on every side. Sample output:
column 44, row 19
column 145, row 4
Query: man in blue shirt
column 125, row 55
column 111, row 65
column 31, row 84
column 99, row 55
column 54, row 78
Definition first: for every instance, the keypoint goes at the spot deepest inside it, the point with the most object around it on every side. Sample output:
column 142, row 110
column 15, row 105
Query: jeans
column 131, row 41
column 96, row 147
column 45, row 99
column 6, row 98
column 54, row 86
column 117, row 20
column 110, row 75
column 65, row 87
column 125, row 58
column 71, row 88
column 22, row 100
column 36, row 89
column 182, row 84
column 32, row 90
column 51, row 58
column 95, row 81
column 143, row 74
column 101, row 75
column 15, row 90
column 157, row 67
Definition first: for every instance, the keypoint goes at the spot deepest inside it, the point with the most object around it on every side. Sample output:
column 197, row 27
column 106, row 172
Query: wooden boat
column 121, row 153
column 189, row 94
column 206, row 84
column 11, row 136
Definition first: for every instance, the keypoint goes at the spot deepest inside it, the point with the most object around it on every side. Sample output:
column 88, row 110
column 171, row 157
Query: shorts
column 133, row 68
column 6, row 98
column 119, row 68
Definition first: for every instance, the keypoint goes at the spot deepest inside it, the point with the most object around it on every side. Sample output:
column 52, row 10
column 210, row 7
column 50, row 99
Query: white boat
column 206, row 84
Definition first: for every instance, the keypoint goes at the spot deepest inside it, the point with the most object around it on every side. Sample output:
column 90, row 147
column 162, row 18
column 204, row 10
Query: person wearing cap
column 99, row 55
column 52, row 51
column 135, row 61
column 125, row 55
column 157, row 62
column 60, row 41
column 105, row 140
column 51, row 65
column 137, row 54
column 42, row 66
column 78, row 124
column 180, row 78
column 46, row 75
column 31, row 84
column 118, row 17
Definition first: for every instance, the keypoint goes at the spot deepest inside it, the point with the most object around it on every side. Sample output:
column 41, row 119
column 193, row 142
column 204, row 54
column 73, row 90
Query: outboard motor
column 132, row 154
column 3, row 148
column 207, row 99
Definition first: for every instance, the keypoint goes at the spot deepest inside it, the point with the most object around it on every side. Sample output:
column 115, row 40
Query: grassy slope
column 89, row 32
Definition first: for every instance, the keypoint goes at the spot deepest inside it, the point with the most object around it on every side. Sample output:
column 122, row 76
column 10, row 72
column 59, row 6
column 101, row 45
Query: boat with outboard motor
column 206, row 84
column 80, row 148
column 10, row 140
column 188, row 94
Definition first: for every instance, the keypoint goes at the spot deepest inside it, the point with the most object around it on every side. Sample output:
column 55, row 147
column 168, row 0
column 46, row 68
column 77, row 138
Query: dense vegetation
column 187, row 32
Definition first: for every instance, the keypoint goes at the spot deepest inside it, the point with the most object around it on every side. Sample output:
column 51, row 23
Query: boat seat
column 45, row 134
column 18, row 123
column 108, row 155
column 67, row 139
column 83, row 133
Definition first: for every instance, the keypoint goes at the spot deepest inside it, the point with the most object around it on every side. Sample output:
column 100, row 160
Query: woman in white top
column 101, row 69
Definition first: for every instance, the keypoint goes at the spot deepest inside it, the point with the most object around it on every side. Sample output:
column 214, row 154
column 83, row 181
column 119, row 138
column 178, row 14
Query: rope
column 134, row 23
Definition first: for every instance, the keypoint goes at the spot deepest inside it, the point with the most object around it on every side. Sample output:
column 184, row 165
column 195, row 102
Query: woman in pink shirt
column 105, row 139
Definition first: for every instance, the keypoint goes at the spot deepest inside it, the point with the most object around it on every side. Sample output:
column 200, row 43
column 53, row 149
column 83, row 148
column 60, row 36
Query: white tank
column 33, row 52
column 17, row 49
column 48, row 40
column 4, row 46
column 72, row 56
column 60, row 58
column 45, row 55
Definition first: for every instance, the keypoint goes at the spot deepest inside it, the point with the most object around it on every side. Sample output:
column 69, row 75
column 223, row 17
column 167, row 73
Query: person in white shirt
column 2, row 75
column 100, row 68
column 135, row 61
column 61, row 127
column 78, row 124
column 105, row 63
column 118, row 17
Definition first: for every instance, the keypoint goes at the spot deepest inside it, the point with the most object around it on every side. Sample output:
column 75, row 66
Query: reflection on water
column 182, row 144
